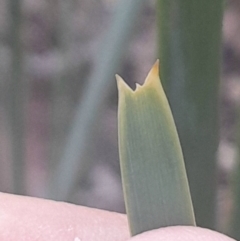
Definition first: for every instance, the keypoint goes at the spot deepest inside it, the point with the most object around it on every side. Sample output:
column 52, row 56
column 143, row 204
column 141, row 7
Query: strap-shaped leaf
column 154, row 178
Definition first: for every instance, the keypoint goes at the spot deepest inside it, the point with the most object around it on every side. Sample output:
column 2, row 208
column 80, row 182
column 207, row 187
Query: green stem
column 60, row 110
column 15, row 98
column 73, row 164
column 190, row 44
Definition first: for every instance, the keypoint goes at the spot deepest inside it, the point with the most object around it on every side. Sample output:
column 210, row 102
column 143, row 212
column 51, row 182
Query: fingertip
column 185, row 233
column 25, row 219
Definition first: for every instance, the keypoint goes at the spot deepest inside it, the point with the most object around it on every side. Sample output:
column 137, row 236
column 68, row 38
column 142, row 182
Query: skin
column 32, row 219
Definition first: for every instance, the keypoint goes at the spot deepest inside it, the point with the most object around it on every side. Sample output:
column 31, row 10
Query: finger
column 32, row 219
column 183, row 233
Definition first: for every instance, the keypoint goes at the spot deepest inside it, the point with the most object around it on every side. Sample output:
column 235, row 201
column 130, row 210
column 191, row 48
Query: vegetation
column 153, row 159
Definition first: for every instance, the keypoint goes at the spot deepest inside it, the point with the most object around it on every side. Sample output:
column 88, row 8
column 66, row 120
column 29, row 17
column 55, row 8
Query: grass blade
column 61, row 104
column 73, row 163
column 16, row 93
column 154, row 179
column 190, row 55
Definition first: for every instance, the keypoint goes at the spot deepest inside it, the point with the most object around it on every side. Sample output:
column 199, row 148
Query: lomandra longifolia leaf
column 155, row 184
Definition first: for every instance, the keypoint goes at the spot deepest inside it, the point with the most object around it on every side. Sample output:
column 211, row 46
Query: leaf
column 155, row 184
column 190, row 47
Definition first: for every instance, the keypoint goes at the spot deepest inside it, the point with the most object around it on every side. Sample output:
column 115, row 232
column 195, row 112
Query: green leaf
column 154, row 178
column 190, row 54
column 73, row 166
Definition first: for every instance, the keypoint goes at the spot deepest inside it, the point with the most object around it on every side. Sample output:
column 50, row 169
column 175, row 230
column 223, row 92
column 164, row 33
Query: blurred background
column 52, row 55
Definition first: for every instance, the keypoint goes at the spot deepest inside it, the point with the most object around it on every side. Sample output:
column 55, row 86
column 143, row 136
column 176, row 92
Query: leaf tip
column 155, row 68
column 151, row 80
column 153, row 73
column 122, row 86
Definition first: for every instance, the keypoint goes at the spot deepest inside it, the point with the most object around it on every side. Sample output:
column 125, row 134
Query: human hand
column 32, row 219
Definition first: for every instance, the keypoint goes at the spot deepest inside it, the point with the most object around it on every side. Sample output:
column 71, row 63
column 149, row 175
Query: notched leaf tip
column 151, row 80
column 121, row 84
column 153, row 74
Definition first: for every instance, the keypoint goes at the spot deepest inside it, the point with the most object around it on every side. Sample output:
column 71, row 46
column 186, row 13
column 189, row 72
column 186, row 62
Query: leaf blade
column 152, row 166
